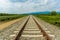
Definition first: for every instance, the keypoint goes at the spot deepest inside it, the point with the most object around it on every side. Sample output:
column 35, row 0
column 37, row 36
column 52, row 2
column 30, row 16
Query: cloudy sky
column 23, row 6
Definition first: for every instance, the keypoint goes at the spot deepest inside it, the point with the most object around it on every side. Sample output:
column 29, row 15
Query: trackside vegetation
column 52, row 18
column 8, row 17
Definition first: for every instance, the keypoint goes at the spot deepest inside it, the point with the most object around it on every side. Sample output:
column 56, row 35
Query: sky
column 26, row 6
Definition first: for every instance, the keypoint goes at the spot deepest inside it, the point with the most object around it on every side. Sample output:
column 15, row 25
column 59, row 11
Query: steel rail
column 20, row 32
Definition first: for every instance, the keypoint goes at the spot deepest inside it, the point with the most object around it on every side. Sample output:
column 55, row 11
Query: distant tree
column 53, row 13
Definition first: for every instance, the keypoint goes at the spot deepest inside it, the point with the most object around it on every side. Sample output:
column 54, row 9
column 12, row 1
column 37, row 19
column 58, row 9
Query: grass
column 8, row 17
column 55, row 19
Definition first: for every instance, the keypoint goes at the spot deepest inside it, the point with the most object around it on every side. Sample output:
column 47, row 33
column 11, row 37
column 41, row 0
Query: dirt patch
column 6, row 24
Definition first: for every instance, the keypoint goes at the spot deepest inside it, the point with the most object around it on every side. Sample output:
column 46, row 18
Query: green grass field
column 53, row 19
column 8, row 17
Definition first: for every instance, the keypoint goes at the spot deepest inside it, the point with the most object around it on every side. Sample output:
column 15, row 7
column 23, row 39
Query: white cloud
column 28, row 6
column 4, row 5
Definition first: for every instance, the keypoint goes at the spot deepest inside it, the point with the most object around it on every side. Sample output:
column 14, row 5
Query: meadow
column 53, row 19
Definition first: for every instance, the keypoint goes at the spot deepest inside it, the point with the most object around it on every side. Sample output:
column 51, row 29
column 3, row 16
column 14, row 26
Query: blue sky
column 24, row 6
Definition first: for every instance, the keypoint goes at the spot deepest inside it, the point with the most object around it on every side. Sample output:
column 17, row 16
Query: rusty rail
column 20, row 32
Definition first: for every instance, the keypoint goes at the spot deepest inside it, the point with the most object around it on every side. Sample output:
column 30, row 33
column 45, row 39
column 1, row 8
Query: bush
column 53, row 13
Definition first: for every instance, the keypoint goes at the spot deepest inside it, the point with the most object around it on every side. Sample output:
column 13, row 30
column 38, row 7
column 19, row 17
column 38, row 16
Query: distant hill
column 39, row 13
column 58, row 12
column 46, row 12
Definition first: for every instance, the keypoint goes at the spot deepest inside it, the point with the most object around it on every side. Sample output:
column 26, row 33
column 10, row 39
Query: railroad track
column 33, row 31
column 30, row 29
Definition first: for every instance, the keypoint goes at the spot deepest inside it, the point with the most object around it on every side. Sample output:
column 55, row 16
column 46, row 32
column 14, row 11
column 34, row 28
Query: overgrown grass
column 55, row 19
column 8, row 17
